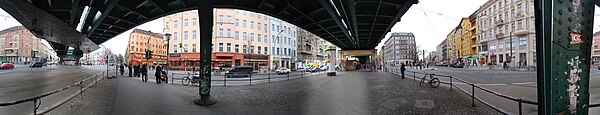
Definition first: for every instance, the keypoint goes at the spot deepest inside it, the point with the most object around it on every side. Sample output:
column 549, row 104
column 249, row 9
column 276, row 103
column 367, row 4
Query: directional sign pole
column 205, row 14
column 564, row 38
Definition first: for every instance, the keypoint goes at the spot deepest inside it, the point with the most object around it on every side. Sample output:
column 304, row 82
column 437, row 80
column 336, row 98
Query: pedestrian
column 402, row 69
column 121, row 68
column 129, row 67
column 504, row 65
column 145, row 73
column 136, row 70
column 158, row 73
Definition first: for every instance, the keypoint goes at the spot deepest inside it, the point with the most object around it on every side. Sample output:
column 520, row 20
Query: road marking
column 523, row 83
column 493, row 84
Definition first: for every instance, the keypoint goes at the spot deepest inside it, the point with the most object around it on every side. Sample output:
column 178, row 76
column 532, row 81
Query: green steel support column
column 564, row 39
column 205, row 14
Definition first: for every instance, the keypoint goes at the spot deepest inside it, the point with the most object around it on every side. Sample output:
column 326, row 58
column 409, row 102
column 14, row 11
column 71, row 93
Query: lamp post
column 168, row 36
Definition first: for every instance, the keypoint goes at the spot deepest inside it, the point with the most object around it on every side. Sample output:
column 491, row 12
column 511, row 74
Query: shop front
column 256, row 61
column 183, row 61
column 226, row 60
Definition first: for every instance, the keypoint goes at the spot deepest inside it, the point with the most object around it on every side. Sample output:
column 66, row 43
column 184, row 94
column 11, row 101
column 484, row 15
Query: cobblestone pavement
column 347, row 93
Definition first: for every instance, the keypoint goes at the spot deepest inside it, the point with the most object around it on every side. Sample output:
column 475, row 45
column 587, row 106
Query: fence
column 37, row 100
column 520, row 101
column 253, row 77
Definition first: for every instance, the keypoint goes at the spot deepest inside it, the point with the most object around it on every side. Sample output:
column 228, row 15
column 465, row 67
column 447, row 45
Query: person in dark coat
column 158, row 73
column 145, row 73
column 136, row 69
column 129, row 67
column 121, row 68
column 402, row 69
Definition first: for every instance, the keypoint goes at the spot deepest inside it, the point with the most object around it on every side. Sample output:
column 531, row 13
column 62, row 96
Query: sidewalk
column 347, row 93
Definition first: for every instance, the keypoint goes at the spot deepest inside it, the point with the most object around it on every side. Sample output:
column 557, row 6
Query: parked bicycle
column 434, row 82
column 194, row 80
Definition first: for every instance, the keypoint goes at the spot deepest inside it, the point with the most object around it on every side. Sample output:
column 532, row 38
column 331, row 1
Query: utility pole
column 510, row 53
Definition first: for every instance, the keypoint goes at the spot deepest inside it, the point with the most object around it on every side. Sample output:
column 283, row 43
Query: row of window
column 502, row 30
column 245, row 49
column 507, row 43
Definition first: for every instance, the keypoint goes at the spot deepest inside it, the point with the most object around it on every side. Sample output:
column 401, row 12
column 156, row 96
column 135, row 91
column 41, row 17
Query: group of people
column 141, row 71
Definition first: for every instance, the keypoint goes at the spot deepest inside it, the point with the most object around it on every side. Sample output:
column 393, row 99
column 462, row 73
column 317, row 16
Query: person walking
column 121, row 68
column 158, row 73
column 129, row 67
column 145, row 73
column 402, row 69
column 136, row 70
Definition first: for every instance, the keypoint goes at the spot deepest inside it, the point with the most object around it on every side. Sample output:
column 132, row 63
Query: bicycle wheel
column 196, row 83
column 422, row 81
column 435, row 82
column 185, row 81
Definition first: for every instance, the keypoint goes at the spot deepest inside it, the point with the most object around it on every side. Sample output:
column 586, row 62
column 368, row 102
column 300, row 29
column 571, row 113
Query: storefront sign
column 174, row 55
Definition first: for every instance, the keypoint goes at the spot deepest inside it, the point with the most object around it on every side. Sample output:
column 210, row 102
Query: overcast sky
column 443, row 15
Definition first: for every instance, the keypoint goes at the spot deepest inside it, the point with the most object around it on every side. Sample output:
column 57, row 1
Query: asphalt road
column 24, row 82
column 518, row 84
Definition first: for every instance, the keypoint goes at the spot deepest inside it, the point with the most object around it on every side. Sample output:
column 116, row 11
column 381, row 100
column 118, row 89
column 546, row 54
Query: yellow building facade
column 462, row 41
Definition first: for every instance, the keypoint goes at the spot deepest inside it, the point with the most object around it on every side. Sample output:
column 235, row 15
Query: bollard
column 288, row 74
column 520, row 106
column 269, row 77
column 250, row 78
column 172, row 75
column 415, row 75
column 224, row 80
column 473, row 95
column 451, row 85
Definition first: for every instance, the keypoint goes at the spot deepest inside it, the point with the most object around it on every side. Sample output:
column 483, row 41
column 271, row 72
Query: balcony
column 521, row 31
column 499, row 35
column 499, row 23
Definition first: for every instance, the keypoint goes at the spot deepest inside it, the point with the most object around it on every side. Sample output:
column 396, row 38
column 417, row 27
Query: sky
column 442, row 17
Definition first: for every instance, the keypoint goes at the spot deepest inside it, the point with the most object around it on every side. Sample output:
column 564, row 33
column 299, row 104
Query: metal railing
column 37, row 100
column 520, row 101
column 262, row 77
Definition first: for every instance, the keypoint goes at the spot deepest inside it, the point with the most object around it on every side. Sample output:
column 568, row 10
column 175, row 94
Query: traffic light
column 148, row 54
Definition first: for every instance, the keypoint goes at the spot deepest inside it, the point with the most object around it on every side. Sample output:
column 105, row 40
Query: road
column 519, row 84
column 24, row 82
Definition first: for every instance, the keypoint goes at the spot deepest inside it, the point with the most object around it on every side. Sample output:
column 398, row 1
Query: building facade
column 504, row 29
column 142, row 40
column 311, row 49
column 596, row 48
column 442, row 53
column 465, row 41
column 240, row 38
column 20, row 46
column 400, row 48
column 283, row 44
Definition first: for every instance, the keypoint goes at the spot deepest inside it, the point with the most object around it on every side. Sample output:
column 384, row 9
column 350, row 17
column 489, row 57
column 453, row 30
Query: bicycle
column 434, row 82
column 194, row 80
column 491, row 67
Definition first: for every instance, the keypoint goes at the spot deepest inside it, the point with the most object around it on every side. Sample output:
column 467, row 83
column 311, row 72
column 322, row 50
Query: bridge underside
column 348, row 24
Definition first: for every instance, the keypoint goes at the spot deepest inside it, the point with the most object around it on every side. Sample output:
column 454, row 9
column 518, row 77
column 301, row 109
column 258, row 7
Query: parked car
column 283, row 71
column 441, row 64
column 314, row 69
column 324, row 68
column 7, row 66
column 37, row 65
column 237, row 71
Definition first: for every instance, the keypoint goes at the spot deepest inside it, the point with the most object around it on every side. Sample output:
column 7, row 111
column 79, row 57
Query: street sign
column 111, row 59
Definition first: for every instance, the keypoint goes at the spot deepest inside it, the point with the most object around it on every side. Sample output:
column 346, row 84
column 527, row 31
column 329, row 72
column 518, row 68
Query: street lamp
column 168, row 36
